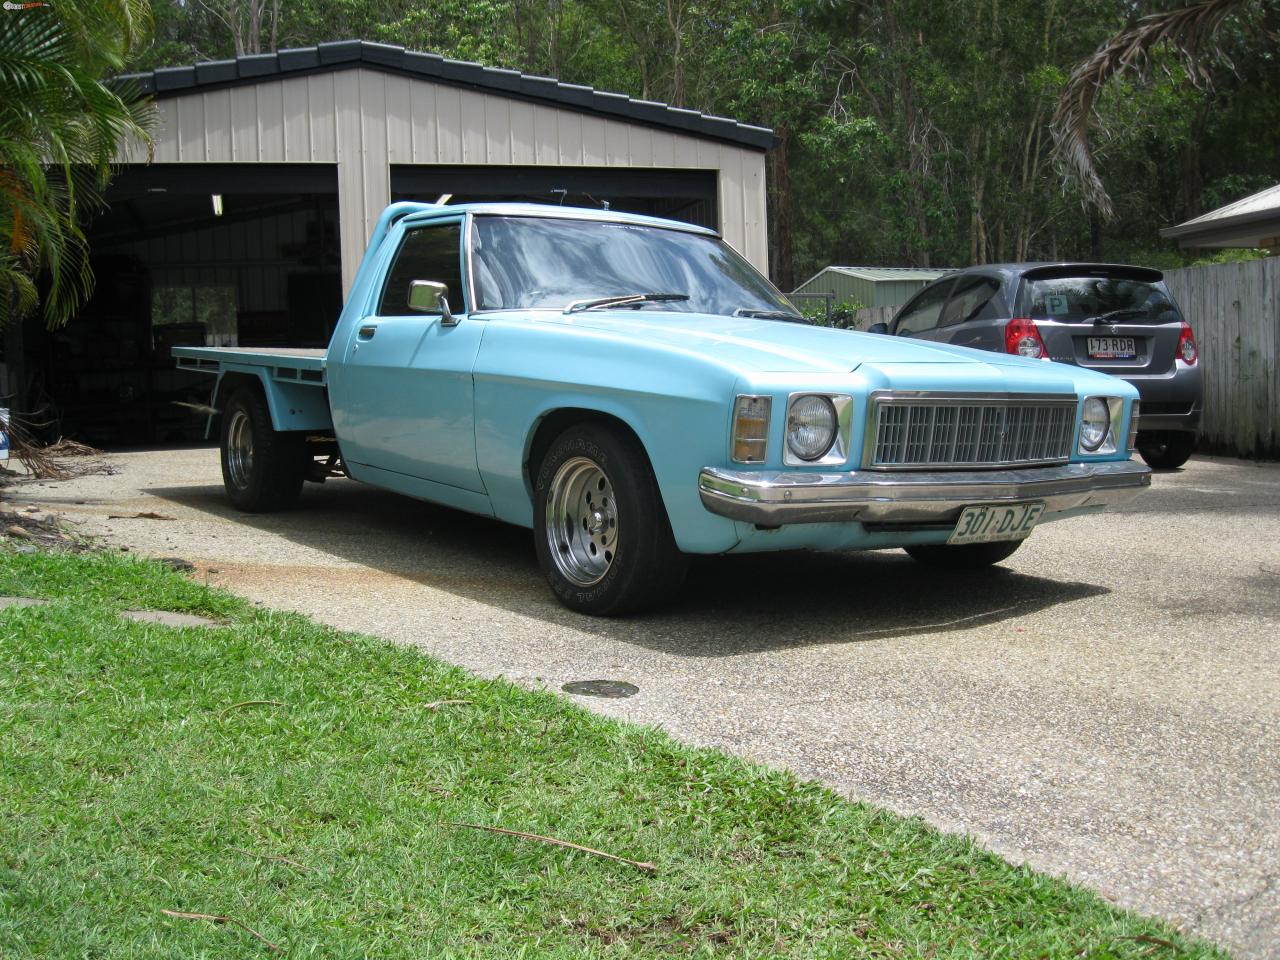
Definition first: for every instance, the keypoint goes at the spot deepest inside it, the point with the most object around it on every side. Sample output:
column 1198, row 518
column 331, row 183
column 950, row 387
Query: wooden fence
column 1234, row 309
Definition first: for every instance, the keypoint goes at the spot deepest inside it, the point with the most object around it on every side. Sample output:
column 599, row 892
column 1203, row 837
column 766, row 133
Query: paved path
column 1105, row 707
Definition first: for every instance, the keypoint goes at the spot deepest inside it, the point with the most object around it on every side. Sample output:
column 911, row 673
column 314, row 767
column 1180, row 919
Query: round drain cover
column 614, row 689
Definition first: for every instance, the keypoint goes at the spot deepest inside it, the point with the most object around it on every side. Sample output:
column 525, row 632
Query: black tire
column 270, row 476
column 614, row 554
column 1166, row 450
column 969, row 556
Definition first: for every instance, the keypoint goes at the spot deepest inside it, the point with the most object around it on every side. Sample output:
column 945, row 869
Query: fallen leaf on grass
column 217, row 918
column 145, row 515
column 638, row 864
column 1155, row 941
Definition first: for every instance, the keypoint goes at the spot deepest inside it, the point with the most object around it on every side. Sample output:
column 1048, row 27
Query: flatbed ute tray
column 285, row 364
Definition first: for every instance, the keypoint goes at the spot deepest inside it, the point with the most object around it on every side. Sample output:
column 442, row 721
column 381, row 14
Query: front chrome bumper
column 772, row 498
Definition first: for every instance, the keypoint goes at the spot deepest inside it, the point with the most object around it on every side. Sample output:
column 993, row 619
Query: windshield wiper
column 630, row 300
column 771, row 315
column 1114, row 314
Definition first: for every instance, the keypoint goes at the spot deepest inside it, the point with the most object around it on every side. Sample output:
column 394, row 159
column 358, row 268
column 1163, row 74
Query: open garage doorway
column 209, row 254
column 688, row 195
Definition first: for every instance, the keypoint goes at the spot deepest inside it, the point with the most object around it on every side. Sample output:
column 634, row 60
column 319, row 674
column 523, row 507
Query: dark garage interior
column 688, row 195
column 193, row 254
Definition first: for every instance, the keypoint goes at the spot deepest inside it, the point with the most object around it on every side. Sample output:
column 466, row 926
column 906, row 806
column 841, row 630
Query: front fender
column 676, row 403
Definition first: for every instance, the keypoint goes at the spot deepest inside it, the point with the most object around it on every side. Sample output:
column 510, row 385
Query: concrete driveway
column 1105, row 706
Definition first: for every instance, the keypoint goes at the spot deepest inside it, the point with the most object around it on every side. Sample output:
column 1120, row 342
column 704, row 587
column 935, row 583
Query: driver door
column 407, row 394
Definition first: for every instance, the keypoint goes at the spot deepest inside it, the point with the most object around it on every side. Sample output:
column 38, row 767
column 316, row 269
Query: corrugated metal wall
column 1234, row 309
column 365, row 120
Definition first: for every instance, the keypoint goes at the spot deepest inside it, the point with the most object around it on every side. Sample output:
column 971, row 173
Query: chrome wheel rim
column 582, row 522
column 240, row 448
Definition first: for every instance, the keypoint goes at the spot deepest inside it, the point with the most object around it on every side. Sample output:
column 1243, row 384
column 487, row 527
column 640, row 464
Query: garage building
column 268, row 173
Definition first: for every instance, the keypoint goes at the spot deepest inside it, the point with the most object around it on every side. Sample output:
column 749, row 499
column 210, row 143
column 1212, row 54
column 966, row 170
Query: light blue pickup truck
column 635, row 392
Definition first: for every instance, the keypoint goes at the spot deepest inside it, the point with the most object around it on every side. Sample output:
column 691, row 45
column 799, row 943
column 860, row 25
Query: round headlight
column 811, row 427
column 1095, row 421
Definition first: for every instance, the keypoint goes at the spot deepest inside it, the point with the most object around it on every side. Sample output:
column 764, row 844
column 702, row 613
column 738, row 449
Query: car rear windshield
column 1084, row 298
column 536, row 263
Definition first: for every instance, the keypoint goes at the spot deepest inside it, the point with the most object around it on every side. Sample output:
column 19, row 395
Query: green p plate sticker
column 1056, row 304
column 988, row 523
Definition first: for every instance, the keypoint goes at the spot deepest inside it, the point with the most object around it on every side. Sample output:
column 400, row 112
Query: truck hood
column 776, row 346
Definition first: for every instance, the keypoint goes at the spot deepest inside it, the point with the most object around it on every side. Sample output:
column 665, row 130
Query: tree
column 61, row 124
column 1188, row 30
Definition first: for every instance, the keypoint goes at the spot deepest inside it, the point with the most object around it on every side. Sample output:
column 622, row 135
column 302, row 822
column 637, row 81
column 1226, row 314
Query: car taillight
column 1022, row 338
column 1188, row 353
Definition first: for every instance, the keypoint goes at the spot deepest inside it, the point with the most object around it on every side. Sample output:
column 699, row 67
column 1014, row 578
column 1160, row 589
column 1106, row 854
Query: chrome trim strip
column 939, row 396
column 775, row 497
column 468, row 245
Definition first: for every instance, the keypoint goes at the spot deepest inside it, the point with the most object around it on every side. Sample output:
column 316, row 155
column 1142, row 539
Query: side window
column 924, row 311
column 427, row 253
column 970, row 300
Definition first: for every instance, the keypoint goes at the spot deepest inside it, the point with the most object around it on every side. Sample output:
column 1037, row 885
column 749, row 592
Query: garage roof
column 877, row 274
column 174, row 81
column 1249, row 222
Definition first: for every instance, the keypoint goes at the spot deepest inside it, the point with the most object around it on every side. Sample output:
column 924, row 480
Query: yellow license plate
column 991, row 522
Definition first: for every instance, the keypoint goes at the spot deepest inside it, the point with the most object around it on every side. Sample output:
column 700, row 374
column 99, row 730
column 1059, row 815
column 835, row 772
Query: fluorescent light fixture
column 217, row 204
column 444, row 198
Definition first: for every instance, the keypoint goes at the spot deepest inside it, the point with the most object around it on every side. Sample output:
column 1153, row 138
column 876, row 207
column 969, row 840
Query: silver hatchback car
column 1117, row 319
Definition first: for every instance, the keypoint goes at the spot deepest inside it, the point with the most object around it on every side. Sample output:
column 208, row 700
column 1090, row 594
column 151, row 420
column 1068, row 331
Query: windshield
column 1089, row 298
column 533, row 263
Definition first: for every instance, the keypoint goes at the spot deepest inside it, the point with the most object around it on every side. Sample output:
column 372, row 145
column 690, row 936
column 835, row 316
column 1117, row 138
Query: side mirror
column 878, row 328
column 427, row 296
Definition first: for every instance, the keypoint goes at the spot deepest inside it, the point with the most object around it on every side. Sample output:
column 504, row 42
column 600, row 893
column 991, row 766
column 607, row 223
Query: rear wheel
column 601, row 531
column 964, row 557
column 1166, row 450
column 262, row 468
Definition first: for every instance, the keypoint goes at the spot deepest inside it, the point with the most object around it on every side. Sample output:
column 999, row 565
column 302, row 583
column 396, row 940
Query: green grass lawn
column 131, row 783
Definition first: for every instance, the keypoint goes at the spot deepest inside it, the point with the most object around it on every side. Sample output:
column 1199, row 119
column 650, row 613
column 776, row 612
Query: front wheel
column 965, row 557
column 1166, row 450
column 262, row 468
column 601, row 531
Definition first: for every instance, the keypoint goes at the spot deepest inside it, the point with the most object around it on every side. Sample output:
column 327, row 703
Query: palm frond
column 62, row 123
column 1188, row 30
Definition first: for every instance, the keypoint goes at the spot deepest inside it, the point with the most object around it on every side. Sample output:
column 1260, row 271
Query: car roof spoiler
column 1120, row 271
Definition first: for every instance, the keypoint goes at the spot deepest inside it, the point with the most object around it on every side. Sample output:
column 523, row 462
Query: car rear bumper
column 772, row 498
column 1170, row 401
column 1170, row 416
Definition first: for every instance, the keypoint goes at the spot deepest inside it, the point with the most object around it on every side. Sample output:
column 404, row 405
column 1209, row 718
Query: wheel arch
column 554, row 422
column 292, row 406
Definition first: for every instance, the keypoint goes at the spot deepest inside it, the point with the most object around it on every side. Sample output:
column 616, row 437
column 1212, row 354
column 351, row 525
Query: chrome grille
column 959, row 432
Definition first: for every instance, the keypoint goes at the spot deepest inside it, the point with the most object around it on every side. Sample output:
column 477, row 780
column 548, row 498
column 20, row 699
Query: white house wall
column 364, row 120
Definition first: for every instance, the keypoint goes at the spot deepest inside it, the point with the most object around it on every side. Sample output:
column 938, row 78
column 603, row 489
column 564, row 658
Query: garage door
column 688, row 195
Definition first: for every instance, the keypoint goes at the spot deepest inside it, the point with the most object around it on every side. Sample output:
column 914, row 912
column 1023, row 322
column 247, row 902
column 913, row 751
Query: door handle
column 367, row 331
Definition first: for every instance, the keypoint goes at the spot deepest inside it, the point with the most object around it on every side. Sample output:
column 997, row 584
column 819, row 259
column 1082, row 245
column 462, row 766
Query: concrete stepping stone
column 6, row 602
column 167, row 618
